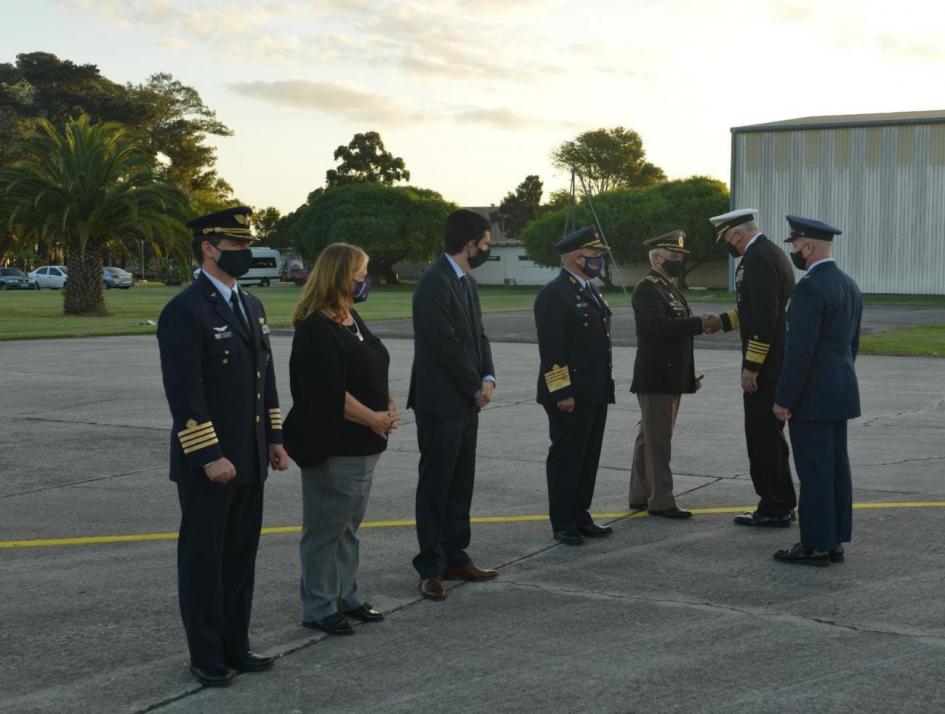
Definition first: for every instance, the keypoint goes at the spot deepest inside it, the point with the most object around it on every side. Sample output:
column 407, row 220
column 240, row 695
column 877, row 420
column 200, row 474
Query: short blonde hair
column 329, row 285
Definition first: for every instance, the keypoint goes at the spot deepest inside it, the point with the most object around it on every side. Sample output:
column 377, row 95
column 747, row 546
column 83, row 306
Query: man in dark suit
column 575, row 383
column 220, row 385
column 818, row 392
column 763, row 284
column 662, row 372
column 451, row 380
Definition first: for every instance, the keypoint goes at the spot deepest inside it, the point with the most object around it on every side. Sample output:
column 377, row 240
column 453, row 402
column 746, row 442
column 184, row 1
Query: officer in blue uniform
column 818, row 392
column 575, row 383
column 218, row 374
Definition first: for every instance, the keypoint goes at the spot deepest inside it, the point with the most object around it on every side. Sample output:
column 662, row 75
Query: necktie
column 235, row 304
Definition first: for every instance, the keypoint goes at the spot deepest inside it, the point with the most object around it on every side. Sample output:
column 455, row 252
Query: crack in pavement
column 79, row 483
column 936, row 638
column 940, row 404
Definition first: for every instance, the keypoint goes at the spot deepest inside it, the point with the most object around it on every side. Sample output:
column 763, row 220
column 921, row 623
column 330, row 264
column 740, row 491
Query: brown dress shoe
column 433, row 589
column 469, row 572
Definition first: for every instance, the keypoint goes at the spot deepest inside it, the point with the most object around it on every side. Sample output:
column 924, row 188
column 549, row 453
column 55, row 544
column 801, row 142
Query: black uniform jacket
column 220, row 385
column 573, row 325
column 451, row 351
column 665, row 328
column 818, row 382
column 764, row 281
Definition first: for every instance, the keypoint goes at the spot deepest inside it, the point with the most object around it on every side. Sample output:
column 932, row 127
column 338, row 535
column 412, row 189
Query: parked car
column 298, row 275
column 16, row 279
column 50, row 276
column 117, row 278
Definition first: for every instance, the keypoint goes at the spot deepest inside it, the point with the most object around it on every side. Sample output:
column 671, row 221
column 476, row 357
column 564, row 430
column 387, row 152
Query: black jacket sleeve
column 551, row 324
column 485, row 347
column 273, row 414
column 318, row 382
column 653, row 314
column 180, row 340
column 761, row 291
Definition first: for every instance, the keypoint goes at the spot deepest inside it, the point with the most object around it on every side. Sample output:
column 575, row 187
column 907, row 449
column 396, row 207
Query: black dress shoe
column 212, row 676
column 672, row 513
column 802, row 555
column 250, row 662
column 757, row 520
column 836, row 555
column 336, row 624
column 592, row 530
column 569, row 537
column 365, row 613
column 637, row 506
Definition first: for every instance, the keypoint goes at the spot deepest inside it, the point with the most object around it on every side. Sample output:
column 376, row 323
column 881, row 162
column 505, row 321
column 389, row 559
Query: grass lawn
column 924, row 341
column 31, row 314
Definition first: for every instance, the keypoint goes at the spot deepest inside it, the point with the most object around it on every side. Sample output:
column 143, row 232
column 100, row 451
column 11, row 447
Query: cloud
column 504, row 118
column 327, row 97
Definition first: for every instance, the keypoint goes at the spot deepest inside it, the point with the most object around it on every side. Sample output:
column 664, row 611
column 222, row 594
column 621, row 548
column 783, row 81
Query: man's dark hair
column 463, row 226
column 197, row 245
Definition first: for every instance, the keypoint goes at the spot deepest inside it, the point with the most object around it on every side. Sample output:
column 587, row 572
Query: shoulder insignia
column 653, row 279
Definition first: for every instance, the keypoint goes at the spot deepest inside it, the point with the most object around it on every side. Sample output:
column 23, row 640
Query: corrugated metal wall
column 884, row 187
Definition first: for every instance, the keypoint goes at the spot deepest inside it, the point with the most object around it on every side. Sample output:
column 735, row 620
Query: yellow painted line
column 279, row 530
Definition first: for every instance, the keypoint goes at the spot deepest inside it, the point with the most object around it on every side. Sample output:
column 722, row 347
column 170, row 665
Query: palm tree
column 83, row 186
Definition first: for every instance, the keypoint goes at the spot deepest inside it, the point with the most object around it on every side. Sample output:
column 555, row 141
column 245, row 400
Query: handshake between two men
column 712, row 323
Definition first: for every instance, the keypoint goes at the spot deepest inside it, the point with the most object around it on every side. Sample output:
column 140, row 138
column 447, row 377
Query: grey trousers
column 334, row 498
column 651, row 478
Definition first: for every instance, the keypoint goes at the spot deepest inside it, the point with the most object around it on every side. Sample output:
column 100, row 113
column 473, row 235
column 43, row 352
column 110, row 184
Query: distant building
column 509, row 263
column 880, row 178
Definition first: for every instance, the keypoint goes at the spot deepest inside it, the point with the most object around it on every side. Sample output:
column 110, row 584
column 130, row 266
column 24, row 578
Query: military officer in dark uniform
column 227, row 430
column 662, row 372
column 763, row 284
column 818, row 392
column 575, row 383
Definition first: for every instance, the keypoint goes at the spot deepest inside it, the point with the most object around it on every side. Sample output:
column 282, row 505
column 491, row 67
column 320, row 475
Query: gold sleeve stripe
column 557, row 378
column 201, row 445
column 193, row 427
column 759, row 346
column 196, row 439
column 755, row 357
column 733, row 319
column 275, row 412
column 199, row 432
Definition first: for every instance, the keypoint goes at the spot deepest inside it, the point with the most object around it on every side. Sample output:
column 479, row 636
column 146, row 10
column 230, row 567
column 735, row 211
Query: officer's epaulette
column 653, row 279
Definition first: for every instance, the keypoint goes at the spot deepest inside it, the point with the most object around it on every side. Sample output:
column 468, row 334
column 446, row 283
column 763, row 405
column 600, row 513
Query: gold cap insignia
column 241, row 218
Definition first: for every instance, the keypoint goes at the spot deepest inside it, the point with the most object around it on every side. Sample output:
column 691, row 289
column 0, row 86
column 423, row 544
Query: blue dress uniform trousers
column 823, row 467
column 571, row 466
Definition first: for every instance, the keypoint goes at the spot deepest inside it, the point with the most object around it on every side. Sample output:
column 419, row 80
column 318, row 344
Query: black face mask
column 673, row 268
column 479, row 258
column 235, row 263
column 800, row 262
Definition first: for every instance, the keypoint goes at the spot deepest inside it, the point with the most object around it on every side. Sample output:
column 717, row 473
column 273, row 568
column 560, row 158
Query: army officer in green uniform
column 662, row 373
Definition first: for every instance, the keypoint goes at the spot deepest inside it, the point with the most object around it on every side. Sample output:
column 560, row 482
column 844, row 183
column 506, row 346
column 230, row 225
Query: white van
column 265, row 269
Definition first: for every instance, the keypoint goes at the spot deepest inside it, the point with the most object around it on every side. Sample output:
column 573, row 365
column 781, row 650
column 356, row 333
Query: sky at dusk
column 474, row 95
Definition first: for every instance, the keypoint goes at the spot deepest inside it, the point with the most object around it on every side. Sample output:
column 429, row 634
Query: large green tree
column 391, row 223
column 176, row 125
column 608, row 159
column 83, row 186
column 630, row 216
column 365, row 160
column 520, row 207
column 171, row 118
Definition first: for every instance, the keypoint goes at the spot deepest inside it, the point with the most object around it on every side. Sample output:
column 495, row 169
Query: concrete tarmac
column 662, row 616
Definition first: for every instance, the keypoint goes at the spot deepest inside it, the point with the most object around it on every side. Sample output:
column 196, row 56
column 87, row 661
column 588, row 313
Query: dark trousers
column 444, row 490
column 216, row 564
column 571, row 467
column 768, row 453
column 823, row 467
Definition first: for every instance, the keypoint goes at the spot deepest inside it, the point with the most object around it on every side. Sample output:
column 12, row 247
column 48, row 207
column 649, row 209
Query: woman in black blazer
column 341, row 417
